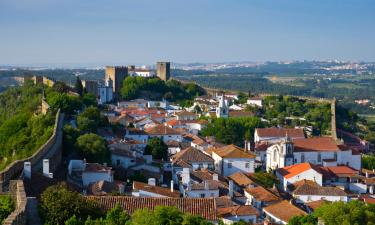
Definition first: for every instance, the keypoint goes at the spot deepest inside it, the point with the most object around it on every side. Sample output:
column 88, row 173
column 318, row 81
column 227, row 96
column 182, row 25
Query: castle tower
column 223, row 110
column 117, row 74
column 163, row 70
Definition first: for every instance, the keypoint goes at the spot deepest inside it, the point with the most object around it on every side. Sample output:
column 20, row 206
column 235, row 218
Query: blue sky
column 145, row 31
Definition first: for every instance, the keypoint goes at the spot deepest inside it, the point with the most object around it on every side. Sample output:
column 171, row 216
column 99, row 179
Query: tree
column 78, row 86
column 303, row 220
column 267, row 180
column 90, row 119
column 368, row 161
column 7, row 206
column 58, row 204
column 157, row 148
column 93, row 148
column 70, row 136
column 353, row 212
column 116, row 216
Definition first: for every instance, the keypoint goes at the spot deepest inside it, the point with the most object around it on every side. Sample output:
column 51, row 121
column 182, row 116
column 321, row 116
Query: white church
column 324, row 151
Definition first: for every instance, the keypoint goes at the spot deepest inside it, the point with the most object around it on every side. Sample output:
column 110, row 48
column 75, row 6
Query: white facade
column 105, row 92
column 228, row 166
column 257, row 102
column 214, row 193
column 311, row 198
column 142, row 73
column 309, row 174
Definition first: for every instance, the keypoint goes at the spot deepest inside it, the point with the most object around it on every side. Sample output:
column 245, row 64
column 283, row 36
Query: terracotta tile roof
column 238, row 113
column 280, row 132
column 212, row 185
column 136, row 131
column 155, row 189
column 312, row 188
column 262, row 194
column 161, row 130
column 300, row 183
column 201, row 175
column 367, row 199
column 96, row 168
column 185, row 113
column 315, row 144
column 342, row 171
column 284, row 210
column 223, row 201
column 190, row 155
column 204, row 207
column 102, row 188
column 173, row 143
column 293, row 170
column 262, row 146
column 329, row 172
column 316, row 204
column 233, row 151
column 241, row 179
column 238, row 210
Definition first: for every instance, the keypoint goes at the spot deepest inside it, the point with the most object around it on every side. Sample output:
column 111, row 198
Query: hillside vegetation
column 22, row 131
column 156, row 89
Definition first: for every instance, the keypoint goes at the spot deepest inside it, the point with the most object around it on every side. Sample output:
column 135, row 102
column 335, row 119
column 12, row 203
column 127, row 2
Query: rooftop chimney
column 46, row 172
column 172, row 189
column 367, row 174
column 27, row 169
column 215, row 177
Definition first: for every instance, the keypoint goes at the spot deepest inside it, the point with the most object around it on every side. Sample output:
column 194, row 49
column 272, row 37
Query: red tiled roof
column 316, row 144
column 316, row 204
column 233, row 151
column 284, row 210
column 262, row 146
column 293, row 170
column 185, row 113
column 262, row 194
column 238, row 210
column 204, row 207
column 161, row 130
column 312, row 188
column 241, row 179
column 96, row 168
column 280, row 132
column 155, row 189
column 191, row 155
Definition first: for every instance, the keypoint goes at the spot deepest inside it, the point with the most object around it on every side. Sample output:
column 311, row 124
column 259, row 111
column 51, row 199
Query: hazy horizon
column 142, row 32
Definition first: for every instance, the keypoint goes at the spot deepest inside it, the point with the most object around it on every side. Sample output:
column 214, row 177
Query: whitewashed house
column 257, row 101
column 303, row 171
column 150, row 189
column 309, row 191
column 282, row 212
column 232, row 214
column 231, row 159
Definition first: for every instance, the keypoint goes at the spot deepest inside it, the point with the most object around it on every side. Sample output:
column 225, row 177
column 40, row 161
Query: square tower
column 117, row 74
column 163, row 70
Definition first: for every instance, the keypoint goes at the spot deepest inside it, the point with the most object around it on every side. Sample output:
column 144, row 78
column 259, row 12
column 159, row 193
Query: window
column 202, row 195
column 302, row 158
column 200, row 165
column 319, row 157
column 335, row 156
column 118, row 162
column 230, row 165
column 247, row 165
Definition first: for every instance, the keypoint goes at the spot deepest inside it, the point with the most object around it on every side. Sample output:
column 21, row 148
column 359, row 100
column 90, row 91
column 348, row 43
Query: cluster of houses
column 214, row 180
